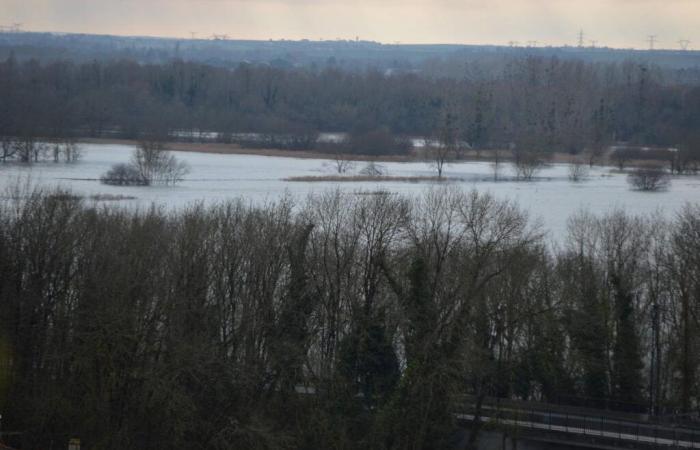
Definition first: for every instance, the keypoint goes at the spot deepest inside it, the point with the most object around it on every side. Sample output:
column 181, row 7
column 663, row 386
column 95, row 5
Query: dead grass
column 111, row 197
column 235, row 149
column 416, row 155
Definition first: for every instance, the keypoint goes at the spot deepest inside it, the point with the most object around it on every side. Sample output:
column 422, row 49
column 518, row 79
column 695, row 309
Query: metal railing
column 577, row 426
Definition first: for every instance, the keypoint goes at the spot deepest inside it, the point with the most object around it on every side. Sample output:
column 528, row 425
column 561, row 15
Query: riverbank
column 416, row 155
column 235, row 149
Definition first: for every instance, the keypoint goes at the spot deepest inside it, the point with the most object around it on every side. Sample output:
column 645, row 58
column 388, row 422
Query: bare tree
column 445, row 149
column 156, row 165
column 497, row 164
column 594, row 154
column 341, row 162
column 527, row 164
column 27, row 149
column 72, row 151
column 66, row 149
column 578, row 171
column 621, row 157
column 7, row 145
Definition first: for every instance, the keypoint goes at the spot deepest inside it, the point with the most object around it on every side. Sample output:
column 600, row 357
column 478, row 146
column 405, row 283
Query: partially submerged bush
column 649, row 179
column 527, row 164
column 373, row 169
column 123, row 175
column 150, row 164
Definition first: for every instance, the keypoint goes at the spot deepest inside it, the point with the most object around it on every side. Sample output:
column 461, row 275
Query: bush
column 156, row 165
column 373, row 169
column 150, row 164
column 123, row 175
column 649, row 179
column 527, row 164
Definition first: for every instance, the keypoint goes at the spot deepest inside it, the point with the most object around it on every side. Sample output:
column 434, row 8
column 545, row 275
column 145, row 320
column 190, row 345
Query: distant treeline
column 345, row 321
column 541, row 103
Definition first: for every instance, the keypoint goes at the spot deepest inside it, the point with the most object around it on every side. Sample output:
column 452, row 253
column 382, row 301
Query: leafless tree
column 527, row 164
column 578, row 171
column 439, row 156
column 621, row 157
column 7, row 145
column 594, row 154
column 28, row 149
column 446, row 147
column 65, row 149
column 156, row 165
column 341, row 162
column 497, row 164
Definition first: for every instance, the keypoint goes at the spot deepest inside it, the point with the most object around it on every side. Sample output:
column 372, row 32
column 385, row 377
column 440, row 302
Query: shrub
column 649, row 179
column 373, row 169
column 150, row 164
column 156, row 165
column 527, row 164
column 123, row 175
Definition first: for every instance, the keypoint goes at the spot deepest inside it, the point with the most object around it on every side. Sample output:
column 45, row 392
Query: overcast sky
column 617, row 23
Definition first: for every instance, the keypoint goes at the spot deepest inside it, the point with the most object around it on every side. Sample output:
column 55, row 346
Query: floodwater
column 551, row 199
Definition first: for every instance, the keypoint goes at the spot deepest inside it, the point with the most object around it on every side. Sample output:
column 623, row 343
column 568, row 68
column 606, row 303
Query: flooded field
column 551, row 198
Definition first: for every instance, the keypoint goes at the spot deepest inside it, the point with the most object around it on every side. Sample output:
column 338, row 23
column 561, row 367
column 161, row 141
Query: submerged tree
column 446, row 147
column 527, row 163
column 578, row 171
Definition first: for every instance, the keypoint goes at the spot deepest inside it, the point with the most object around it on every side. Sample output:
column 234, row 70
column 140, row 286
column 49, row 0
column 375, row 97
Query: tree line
column 524, row 101
column 341, row 321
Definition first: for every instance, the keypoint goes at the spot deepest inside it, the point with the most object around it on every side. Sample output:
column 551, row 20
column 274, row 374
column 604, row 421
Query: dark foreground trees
column 343, row 322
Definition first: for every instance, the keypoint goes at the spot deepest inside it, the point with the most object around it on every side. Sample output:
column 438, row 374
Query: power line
column 652, row 40
column 684, row 43
column 581, row 39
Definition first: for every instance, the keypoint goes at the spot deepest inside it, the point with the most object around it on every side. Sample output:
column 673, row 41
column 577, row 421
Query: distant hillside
column 348, row 55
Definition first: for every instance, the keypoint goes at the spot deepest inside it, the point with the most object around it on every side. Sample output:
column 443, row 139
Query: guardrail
column 577, row 425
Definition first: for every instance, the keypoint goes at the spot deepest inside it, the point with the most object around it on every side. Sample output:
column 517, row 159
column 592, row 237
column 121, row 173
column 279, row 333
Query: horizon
column 626, row 24
column 4, row 29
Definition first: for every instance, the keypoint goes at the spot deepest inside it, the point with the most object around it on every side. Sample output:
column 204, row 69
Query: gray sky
column 618, row 23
